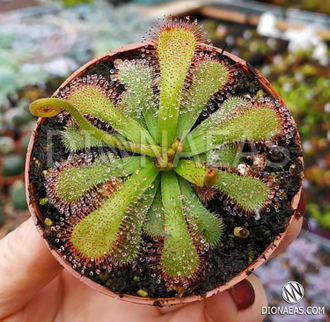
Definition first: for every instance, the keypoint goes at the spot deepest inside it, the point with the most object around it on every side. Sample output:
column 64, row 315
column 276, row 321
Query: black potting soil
column 222, row 263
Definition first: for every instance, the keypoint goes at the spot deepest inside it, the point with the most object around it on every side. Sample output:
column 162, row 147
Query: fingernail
column 243, row 295
column 301, row 206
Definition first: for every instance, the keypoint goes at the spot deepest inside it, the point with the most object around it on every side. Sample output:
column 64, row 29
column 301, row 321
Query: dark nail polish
column 243, row 294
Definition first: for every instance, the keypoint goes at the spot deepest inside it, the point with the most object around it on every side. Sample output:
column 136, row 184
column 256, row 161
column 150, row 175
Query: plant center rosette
column 164, row 171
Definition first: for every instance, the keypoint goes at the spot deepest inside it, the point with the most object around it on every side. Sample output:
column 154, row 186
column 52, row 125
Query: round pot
column 127, row 52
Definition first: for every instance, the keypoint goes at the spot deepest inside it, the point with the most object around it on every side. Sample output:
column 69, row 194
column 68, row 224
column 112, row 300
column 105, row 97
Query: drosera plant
column 172, row 160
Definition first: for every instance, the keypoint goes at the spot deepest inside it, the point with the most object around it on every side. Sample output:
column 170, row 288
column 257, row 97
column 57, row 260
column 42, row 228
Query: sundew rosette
column 175, row 171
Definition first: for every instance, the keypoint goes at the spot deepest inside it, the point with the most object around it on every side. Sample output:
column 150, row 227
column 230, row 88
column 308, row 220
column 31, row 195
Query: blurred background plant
column 307, row 262
column 44, row 41
column 310, row 5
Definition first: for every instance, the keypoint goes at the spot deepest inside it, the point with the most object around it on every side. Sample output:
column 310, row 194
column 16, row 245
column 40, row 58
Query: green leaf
column 199, row 217
column 230, row 109
column 127, row 246
column 154, row 223
column 195, row 173
column 140, row 97
column 226, row 156
column 250, row 193
column 175, row 50
column 75, row 138
column 129, row 107
column 49, row 107
column 74, row 182
column 96, row 234
column 89, row 100
column 179, row 258
column 258, row 124
column 208, row 77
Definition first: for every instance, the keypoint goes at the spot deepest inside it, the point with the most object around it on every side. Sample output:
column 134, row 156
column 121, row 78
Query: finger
column 294, row 228
column 242, row 303
column 44, row 305
column 82, row 303
column 302, row 205
column 290, row 236
column 26, row 266
column 193, row 312
column 66, row 298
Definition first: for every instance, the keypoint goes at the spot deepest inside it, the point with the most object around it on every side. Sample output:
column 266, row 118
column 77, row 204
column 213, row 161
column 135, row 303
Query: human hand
column 34, row 287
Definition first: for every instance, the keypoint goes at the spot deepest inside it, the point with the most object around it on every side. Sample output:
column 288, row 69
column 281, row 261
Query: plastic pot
column 127, row 52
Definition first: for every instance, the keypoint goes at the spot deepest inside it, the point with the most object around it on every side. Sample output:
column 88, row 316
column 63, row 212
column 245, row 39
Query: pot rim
column 37, row 218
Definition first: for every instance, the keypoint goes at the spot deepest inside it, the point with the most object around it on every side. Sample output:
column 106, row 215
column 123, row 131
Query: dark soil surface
column 222, row 263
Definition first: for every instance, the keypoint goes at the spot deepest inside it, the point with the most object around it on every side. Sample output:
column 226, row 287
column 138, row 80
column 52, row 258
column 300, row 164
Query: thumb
column 26, row 266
